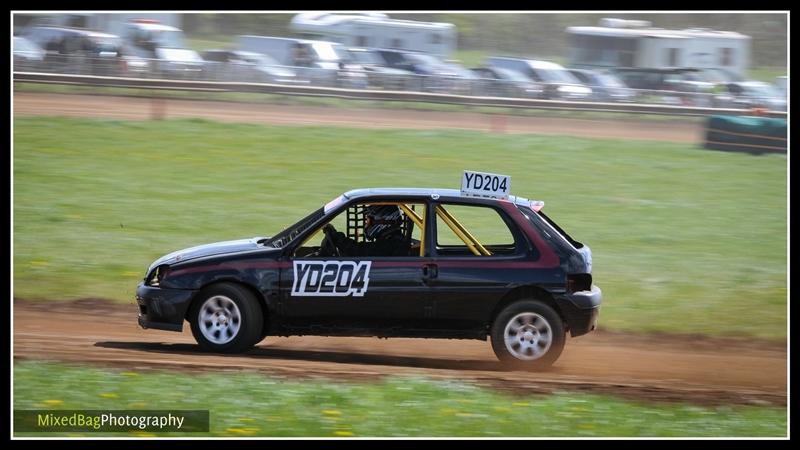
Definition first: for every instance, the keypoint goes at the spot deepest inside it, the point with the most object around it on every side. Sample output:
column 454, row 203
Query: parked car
column 686, row 86
column 319, row 62
column 455, row 78
column 558, row 83
column 164, row 46
column 237, row 65
column 717, row 75
column 499, row 82
column 466, row 80
column 433, row 75
column 77, row 50
column 475, row 267
column 605, row 86
column 378, row 74
column 751, row 94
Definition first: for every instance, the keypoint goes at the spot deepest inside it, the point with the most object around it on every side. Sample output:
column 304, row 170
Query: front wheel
column 226, row 318
column 528, row 334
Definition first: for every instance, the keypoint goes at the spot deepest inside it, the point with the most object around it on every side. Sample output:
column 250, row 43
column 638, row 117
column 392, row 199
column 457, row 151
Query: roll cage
column 355, row 219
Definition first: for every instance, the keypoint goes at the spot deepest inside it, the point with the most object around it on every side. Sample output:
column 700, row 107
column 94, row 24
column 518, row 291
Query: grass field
column 255, row 405
column 684, row 240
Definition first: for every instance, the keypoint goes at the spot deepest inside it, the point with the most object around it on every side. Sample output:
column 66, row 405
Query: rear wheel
column 226, row 318
column 528, row 334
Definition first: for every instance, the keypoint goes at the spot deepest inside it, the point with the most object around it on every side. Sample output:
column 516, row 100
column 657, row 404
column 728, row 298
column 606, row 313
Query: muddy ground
column 653, row 367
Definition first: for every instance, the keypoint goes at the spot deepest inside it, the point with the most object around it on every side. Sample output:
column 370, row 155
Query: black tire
column 542, row 321
column 247, row 310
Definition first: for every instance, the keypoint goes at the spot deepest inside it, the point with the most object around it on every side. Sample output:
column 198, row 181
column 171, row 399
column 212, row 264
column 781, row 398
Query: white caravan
column 636, row 43
column 377, row 30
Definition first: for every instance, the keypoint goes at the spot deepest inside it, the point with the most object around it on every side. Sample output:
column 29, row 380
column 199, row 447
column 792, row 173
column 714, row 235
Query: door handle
column 430, row 271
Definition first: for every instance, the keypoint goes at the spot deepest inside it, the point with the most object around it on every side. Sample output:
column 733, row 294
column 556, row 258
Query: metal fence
column 359, row 83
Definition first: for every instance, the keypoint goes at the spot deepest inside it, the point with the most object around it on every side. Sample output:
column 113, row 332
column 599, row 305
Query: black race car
column 460, row 267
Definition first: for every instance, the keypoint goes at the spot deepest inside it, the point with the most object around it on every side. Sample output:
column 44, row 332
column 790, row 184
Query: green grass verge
column 767, row 74
column 249, row 404
column 215, row 42
column 685, row 240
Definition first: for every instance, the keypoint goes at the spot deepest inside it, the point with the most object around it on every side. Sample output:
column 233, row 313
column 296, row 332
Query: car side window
column 369, row 229
column 472, row 230
column 534, row 75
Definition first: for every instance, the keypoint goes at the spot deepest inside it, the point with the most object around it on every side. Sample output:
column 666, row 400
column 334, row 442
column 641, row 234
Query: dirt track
column 655, row 368
column 28, row 104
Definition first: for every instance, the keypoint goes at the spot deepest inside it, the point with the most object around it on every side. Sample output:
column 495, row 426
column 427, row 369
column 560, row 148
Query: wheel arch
column 523, row 292
column 262, row 302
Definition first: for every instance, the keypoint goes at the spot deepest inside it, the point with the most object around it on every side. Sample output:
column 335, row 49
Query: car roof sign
column 486, row 185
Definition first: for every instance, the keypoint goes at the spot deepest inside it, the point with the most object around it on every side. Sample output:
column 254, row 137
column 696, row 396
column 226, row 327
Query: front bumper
column 581, row 310
column 162, row 309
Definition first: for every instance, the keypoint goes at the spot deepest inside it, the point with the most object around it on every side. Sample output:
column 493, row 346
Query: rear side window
column 392, row 58
column 534, row 75
column 472, row 230
column 582, row 77
column 553, row 227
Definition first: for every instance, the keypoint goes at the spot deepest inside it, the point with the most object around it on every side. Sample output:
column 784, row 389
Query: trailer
column 636, row 43
column 377, row 30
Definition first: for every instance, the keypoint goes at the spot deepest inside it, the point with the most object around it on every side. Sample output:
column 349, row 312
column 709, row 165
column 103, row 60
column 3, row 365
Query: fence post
column 497, row 123
column 158, row 108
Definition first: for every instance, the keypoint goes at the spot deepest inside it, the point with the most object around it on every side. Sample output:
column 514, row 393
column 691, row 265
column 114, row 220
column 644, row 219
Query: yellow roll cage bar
column 458, row 229
column 472, row 243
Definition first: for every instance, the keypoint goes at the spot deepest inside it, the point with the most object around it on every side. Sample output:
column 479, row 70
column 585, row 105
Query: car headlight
column 157, row 275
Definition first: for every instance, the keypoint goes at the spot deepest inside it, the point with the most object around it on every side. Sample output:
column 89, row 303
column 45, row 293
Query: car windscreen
column 326, row 52
column 288, row 235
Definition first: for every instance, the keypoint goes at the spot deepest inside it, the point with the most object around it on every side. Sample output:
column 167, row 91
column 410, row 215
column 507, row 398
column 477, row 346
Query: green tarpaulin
column 746, row 134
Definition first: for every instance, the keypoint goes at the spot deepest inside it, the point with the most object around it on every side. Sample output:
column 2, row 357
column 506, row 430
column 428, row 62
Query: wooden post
column 498, row 123
column 157, row 108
